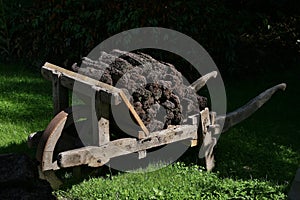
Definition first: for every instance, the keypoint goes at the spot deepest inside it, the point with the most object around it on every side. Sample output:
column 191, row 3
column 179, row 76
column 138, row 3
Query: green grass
column 256, row 159
column 25, row 106
column 173, row 182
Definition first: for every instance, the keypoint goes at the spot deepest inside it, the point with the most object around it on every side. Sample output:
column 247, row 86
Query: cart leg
column 50, row 176
column 102, row 110
column 60, row 94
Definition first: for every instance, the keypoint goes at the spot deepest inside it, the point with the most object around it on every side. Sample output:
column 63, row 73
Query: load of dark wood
column 158, row 92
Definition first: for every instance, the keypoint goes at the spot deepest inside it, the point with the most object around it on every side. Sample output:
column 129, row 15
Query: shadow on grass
column 20, row 148
column 265, row 146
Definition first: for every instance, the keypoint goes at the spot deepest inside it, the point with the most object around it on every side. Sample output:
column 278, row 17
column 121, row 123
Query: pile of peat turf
column 158, row 92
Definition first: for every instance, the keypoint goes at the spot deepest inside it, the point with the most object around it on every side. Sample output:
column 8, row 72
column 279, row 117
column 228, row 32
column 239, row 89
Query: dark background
column 242, row 36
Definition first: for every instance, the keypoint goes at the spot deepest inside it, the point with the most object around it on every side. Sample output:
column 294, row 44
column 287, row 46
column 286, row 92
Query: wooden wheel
column 60, row 135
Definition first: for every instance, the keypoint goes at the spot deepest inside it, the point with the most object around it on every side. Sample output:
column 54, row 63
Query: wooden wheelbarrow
column 59, row 145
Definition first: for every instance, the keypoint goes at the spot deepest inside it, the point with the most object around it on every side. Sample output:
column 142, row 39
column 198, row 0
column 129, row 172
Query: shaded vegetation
column 242, row 36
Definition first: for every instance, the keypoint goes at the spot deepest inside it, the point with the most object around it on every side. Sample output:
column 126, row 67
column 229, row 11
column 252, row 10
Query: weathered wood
column 60, row 94
column 213, row 116
column 142, row 154
column 88, row 87
column 209, row 143
column 93, row 119
column 99, row 96
column 205, row 120
column 102, row 110
column 68, row 78
column 97, row 156
column 103, row 128
column 89, row 155
column 199, row 83
column 194, row 143
column 248, row 109
column 50, row 176
column 190, row 143
column 133, row 112
column 210, row 132
column 54, row 131
column 49, row 140
column 141, row 135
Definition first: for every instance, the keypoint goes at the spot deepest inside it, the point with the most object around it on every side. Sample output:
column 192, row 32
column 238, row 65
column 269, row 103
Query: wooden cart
column 56, row 149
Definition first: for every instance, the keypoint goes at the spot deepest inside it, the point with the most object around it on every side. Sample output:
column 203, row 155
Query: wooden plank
column 94, row 122
column 133, row 112
column 205, row 120
column 103, row 131
column 99, row 120
column 194, row 143
column 60, row 94
column 102, row 110
column 191, row 143
column 50, row 176
column 209, row 142
column 68, row 78
column 97, row 156
column 141, row 135
column 168, row 136
column 142, row 154
column 77, row 77
column 213, row 116
column 199, row 83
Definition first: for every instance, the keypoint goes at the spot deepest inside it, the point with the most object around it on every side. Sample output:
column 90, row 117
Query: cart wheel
column 60, row 135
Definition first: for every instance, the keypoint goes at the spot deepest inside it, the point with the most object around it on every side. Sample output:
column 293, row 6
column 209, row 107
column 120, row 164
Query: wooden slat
column 205, row 120
column 97, row 156
column 94, row 122
column 88, row 86
column 79, row 77
column 103, row 131
column 133, row 112
column 60, row 94
column 68, row 78
column 102, row 110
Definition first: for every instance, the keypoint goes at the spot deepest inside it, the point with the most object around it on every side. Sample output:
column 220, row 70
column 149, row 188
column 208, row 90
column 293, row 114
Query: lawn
column 256, row 159
column 25, row 106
